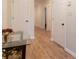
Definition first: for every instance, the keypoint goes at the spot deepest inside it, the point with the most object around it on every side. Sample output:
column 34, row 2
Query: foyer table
column 14, row 49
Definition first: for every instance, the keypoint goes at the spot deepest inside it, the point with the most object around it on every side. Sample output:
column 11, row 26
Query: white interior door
column 21, row 17
column 59, row 22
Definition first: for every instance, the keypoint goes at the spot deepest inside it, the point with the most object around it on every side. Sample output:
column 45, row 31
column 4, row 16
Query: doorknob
column 26, row 21
column 62, row 24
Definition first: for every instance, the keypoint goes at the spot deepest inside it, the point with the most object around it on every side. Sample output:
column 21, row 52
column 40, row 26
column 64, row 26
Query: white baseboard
column 29, row 41
column 32, row 37
column 70, row 52
column 52, row 39
column 67, row 50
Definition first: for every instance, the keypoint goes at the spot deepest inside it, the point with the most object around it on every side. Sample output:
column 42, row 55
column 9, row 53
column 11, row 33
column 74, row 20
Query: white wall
column 71, row 28
column 69, row 18
column 40, row 14
column 4, row 14
column 8, row 16
column 49, row 15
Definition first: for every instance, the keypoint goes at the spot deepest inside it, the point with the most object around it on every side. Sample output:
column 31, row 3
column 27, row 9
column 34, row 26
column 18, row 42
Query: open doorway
column 43, row 15
column 45, row 19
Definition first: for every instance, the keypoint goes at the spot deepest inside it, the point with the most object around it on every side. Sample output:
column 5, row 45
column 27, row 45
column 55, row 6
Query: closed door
column 21, row 16
column 59, row 22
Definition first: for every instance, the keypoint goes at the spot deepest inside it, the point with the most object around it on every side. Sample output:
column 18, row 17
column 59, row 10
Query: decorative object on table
column 15, row 36
column 5, row 34
column 17, row 52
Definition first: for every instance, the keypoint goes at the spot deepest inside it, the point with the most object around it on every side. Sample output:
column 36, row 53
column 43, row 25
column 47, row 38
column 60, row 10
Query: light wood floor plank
column 43, row 48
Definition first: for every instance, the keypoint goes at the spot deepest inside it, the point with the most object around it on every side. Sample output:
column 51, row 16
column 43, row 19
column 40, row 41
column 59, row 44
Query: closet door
column 22, row 17
column 59, row 21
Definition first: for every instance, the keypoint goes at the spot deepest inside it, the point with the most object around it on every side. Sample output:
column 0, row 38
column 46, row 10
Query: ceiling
column 41, row 1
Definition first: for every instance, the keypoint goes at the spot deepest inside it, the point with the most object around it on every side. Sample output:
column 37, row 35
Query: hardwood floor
column 43, row 48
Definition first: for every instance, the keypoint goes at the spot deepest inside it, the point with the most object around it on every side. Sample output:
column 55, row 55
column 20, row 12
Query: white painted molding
column 70, row 52
column 51, row 39
column 32, row 37
column 29, row 40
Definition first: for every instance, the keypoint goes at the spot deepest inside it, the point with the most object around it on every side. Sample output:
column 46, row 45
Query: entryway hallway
column 43, row 48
